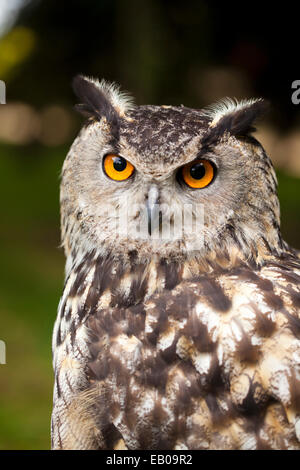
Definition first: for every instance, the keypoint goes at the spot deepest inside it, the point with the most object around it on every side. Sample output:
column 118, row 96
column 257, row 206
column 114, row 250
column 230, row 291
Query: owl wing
column 212, row 364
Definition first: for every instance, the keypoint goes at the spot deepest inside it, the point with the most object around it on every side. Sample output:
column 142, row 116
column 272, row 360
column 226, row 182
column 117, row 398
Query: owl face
column 167, row 181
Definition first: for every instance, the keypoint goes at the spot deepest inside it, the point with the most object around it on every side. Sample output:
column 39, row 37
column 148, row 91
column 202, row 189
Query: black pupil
column 197, row 171
column 119, row 163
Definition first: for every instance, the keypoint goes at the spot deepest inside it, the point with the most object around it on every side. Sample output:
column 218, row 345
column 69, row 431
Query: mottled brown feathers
column 169, row 347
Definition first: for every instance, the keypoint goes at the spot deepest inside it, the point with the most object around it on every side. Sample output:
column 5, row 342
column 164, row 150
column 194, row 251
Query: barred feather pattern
column 175, row 359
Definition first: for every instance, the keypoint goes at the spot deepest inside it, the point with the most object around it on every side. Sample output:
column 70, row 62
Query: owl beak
column 152, row 206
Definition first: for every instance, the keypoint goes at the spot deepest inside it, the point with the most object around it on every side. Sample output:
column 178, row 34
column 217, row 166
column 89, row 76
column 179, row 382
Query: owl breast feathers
column 178, row 327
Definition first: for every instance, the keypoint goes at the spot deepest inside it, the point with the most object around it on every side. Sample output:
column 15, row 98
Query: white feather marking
column 202, row 362
column 297, row 428
column 256, row 340
column 180, row 446
column 236, row 330
column 220, row 353
column 278, row 378
column 296, row 362
column 209, row 318
column 166, row 340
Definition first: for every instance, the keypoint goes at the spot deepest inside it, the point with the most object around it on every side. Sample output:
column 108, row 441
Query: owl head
column 167, row 181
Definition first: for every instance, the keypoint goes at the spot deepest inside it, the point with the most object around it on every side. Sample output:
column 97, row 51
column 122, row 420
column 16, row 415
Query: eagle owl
column 183, row 339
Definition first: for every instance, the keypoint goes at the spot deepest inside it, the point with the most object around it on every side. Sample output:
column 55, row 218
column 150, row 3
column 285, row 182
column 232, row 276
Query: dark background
column 162, row 52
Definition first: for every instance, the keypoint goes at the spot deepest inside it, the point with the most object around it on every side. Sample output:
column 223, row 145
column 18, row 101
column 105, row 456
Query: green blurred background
column 163, row 52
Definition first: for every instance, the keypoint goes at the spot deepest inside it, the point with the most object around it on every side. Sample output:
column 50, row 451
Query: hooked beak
column 152, row 206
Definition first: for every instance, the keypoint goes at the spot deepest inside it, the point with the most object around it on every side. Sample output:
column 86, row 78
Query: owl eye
column 117, row 168
column 198, row 174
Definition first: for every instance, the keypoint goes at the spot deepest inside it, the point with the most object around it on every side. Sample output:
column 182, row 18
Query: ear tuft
column 120, row 100
column 100, row 99
column 235, row 117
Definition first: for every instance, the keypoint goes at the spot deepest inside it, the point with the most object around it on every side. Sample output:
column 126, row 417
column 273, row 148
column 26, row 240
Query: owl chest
column 189, row 367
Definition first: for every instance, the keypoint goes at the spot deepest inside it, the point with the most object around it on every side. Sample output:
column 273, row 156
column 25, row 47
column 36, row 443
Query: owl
column 178, row 326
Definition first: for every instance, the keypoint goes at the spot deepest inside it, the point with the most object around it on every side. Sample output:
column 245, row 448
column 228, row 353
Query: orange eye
column 198, row 174
column 117, row 168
